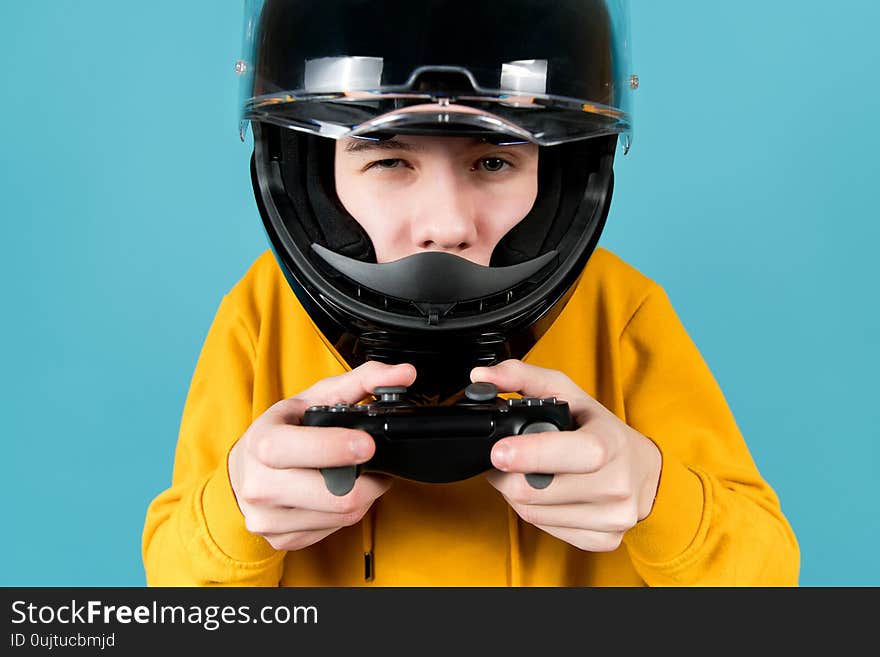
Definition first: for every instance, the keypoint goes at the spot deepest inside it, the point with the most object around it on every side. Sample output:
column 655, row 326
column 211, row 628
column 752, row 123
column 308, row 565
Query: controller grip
column 539, row 480
column 340, row 480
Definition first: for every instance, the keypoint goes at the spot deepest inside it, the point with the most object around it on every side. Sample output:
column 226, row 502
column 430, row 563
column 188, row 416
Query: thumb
column 355, row 385
column 533, row 381
column 348, row 388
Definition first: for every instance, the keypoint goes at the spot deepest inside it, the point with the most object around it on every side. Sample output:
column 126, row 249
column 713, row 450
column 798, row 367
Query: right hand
column 273, row 467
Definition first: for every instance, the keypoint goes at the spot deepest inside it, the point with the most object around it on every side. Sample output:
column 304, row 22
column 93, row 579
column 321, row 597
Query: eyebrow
column 364, row 144
column 359, row 145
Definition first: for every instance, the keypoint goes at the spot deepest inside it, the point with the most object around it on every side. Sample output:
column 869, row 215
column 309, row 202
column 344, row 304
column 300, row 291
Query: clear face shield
column 363, row 73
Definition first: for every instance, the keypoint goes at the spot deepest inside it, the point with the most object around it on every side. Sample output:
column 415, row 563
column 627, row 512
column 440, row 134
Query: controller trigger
column 539, row 480
column 340, row 480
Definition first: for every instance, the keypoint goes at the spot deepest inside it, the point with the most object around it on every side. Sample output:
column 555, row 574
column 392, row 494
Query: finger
column 278, row 520
column 580, row 451
column 612, row 517
column 297, row 540
column 305, row 489
column 584, row 539
column 603, row 487
column 282, row 446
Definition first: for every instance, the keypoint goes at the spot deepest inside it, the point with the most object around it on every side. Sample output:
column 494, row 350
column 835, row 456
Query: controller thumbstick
column 389, row 393
column 481, row 391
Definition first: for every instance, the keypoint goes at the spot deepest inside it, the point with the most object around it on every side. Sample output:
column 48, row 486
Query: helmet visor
column 556, row 71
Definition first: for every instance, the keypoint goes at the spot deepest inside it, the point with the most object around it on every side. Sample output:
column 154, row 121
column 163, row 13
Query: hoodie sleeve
column 194, row 532
column 715, row 521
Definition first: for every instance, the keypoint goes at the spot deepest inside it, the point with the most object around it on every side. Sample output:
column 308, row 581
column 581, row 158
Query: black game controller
column 437, row 444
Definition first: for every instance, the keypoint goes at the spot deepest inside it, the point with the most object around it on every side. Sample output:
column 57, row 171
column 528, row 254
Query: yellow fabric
column 715, row 521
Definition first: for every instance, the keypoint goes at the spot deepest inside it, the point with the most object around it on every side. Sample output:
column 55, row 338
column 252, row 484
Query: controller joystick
column 437, row 444
column 389, row 393
column 481, row 391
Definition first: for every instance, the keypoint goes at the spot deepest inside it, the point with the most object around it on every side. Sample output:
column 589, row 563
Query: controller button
column 481, row 391
column 549, row 400
column 531, row 401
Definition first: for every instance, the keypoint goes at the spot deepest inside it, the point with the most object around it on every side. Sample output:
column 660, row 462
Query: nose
column 447, row 217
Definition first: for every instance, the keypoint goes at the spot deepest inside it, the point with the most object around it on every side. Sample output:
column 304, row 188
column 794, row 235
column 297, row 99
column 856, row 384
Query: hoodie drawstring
column 514, row 576
column 367, row 524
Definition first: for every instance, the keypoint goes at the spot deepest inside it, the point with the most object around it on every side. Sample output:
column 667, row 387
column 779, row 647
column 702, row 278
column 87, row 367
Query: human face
column 413, row 194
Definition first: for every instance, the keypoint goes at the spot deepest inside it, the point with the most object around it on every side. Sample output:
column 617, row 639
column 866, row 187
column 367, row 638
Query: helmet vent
column 442, row 82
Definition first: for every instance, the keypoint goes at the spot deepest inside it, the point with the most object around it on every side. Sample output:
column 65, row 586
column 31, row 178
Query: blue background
column 750, row 194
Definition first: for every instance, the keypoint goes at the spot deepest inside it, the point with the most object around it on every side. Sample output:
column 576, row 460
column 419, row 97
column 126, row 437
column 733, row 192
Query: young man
column 500, row 178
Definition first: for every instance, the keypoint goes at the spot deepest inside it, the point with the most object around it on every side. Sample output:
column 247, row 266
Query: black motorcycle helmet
column 553, row 73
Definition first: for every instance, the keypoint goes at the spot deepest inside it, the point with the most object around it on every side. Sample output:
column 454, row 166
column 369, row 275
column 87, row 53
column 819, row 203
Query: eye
column 390, row 163
column 491, row 164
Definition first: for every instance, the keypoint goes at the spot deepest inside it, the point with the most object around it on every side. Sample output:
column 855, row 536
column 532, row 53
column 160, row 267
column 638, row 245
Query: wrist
column 225, row 522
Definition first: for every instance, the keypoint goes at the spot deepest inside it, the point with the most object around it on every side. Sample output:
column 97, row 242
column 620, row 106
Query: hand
column 273, row 467
column 606, row 472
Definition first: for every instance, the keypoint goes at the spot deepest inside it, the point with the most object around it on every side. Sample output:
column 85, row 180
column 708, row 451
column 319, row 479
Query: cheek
column 377, row 214
column 509, row 204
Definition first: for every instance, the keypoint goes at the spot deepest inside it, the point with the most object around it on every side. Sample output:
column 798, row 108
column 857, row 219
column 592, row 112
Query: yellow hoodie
column 715, row 521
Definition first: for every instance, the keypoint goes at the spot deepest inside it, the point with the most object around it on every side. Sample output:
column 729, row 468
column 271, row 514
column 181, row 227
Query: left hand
column 605, row 472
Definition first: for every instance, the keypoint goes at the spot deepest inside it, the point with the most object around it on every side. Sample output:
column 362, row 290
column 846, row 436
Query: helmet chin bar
column 434, row 277
column 364, row 323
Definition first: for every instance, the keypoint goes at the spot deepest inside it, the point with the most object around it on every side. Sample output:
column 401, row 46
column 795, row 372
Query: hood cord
column 367, row 542
column 515, row 575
